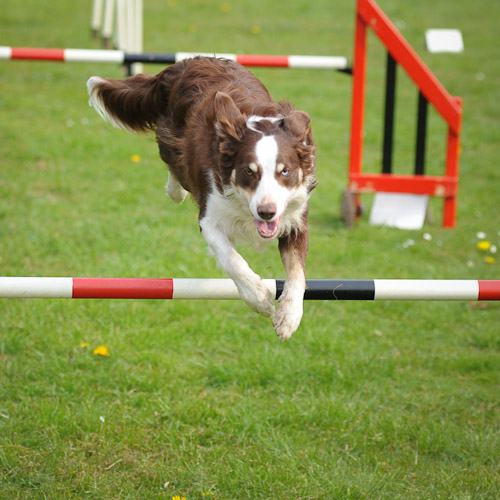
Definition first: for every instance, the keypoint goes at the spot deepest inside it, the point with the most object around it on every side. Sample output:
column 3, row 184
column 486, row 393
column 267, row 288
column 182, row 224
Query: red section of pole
column 489, row 290
column 37, row 54
column 264, row 61
column 122, row 288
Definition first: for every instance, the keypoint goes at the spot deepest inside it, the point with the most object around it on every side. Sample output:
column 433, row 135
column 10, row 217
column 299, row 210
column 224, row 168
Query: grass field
column 200, row 399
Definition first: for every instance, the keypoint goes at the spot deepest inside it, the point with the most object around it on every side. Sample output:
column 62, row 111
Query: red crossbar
column 414, row 184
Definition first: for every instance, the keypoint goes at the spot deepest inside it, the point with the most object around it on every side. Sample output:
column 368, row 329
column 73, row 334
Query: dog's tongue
column 267, row 229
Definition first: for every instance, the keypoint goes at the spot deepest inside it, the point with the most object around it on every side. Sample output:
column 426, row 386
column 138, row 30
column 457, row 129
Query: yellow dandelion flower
column 84, row 345
column 226, row 7
column 135, row 158
column 256, row 30
column 484, row 245
column 178, row 497
column 101, row 350
column 489, row 260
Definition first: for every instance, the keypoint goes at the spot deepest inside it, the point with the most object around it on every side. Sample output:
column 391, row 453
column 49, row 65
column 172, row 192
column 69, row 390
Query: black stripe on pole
column 279, row 288
column 347, row 71
column 334, row 289
column 390, row 95
column 421, row 134
column 149, row 57
column 340, row 290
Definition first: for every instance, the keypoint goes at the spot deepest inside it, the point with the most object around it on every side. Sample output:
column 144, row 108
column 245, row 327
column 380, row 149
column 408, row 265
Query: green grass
column 200, row 399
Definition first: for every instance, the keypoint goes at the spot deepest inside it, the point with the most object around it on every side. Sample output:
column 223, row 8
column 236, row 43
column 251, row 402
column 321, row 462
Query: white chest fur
column 232, row 215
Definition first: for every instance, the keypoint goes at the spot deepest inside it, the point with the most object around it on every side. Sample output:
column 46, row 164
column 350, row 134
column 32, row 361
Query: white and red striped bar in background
column 208, row 289
column 122, row 57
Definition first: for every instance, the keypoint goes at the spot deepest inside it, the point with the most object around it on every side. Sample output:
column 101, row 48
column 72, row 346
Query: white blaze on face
column 269, row 191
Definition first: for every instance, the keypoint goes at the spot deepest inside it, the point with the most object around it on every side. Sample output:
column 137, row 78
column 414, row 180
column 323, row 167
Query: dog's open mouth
column 267, row 229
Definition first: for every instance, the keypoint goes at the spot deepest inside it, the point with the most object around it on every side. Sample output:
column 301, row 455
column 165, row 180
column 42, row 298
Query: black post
column 390, row 95
column 421, row 134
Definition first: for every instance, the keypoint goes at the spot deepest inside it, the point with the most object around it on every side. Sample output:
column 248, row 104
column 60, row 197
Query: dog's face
column 267, row 161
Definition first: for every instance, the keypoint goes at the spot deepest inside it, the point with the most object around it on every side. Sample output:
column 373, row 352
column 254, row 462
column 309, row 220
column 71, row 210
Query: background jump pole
column 209, row 289
column 122, row 57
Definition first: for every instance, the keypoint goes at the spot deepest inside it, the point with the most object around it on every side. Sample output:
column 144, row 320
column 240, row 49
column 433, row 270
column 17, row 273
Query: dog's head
column 267, row 161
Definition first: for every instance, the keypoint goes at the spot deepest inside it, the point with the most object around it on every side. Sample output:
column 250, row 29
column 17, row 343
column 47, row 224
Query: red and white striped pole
column 122, row 57
column 217, row 289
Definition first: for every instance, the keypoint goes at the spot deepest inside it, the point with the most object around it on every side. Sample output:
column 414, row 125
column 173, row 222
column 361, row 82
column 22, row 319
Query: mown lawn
column 200, row 399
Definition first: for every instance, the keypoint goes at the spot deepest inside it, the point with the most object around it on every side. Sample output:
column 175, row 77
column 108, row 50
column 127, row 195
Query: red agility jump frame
column 369, row 15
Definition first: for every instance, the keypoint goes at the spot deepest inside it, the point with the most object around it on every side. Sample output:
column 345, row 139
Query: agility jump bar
column 217, row 289
column 121, row 57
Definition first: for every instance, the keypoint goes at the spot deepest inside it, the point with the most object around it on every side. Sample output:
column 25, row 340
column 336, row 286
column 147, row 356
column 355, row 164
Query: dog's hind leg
column 174, row 189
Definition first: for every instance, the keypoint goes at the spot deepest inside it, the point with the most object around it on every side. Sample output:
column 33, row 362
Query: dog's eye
column 248, row 171
column 285, row 172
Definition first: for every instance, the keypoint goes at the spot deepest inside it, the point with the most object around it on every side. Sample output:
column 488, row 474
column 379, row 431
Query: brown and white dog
column 247, row 161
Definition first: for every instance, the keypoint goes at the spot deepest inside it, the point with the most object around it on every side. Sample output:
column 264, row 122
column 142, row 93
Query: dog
column 247, row 161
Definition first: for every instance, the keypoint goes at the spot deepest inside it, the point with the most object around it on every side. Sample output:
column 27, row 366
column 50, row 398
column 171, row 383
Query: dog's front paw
column 288, row 316
column 258, row 297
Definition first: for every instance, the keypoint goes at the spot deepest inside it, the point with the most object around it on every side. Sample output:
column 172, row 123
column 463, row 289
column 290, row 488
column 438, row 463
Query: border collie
column 248, row 162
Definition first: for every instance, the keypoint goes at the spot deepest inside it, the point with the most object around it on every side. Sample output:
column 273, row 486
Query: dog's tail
column 133, row 104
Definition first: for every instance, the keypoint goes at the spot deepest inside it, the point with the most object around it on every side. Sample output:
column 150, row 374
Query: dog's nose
column 266, row 211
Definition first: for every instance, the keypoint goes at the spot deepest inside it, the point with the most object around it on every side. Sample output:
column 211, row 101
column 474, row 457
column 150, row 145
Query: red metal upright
column 358, row 97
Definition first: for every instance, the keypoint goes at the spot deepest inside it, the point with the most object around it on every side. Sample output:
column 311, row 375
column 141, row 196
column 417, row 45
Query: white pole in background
column 96, row 19
column 126, row 18
column 138, row 32
column 121, row 25
column 107, row 28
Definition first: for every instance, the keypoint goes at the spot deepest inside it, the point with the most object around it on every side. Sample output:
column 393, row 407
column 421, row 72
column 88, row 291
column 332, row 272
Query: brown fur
column 182, row 103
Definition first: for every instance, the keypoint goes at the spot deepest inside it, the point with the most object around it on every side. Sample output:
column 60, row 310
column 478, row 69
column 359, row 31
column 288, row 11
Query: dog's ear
column 229, row 122
column 298, row 123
